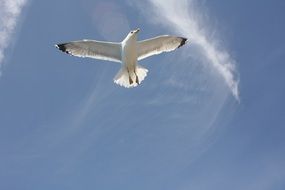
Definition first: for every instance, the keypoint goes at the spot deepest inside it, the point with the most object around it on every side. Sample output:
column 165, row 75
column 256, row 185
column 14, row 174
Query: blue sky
column 209, row 115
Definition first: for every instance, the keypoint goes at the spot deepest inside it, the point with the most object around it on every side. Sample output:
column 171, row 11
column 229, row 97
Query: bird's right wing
column 158, row 45
column 93, row 49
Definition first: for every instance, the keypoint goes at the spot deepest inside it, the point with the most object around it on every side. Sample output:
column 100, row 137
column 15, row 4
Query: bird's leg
column 137, row 78
column 130, row 79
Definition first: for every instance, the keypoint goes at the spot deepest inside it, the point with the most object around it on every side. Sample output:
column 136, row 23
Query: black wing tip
column 62, row 47
column 183, row 42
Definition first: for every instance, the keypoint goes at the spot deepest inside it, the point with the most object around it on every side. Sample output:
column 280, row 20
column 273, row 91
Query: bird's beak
column 137, row 30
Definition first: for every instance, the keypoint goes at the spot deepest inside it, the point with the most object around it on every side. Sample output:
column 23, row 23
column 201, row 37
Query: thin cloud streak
column 184, row 17
column 10, row 11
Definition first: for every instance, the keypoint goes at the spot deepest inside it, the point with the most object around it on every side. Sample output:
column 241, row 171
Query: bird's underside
column 128, row 52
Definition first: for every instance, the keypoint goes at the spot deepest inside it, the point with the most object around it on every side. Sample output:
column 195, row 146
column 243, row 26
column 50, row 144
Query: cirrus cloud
column 186, row 17
column 10, row 11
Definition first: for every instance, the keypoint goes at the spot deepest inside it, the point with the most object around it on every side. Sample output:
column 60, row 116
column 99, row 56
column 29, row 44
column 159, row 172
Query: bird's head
column 133, row 32
column 132, row 35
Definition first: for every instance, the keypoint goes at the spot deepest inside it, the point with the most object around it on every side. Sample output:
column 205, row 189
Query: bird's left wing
column 158, row 45
column 109, row 51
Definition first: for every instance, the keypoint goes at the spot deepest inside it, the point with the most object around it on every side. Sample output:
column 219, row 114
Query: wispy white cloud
column 10, row 11
column 186, row 17
column 109, row 20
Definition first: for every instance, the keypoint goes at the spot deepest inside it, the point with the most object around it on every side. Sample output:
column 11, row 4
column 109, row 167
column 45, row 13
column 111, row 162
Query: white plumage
column 128, row 52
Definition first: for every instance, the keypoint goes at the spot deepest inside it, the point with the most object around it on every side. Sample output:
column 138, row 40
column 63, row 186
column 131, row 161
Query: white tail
column 122, row 77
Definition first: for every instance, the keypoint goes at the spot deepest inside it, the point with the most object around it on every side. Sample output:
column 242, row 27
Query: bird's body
column 128, row 52
column 129, row 57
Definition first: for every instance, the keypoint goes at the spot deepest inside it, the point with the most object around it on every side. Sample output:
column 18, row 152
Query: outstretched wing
column 93, row 49
column 158, row 45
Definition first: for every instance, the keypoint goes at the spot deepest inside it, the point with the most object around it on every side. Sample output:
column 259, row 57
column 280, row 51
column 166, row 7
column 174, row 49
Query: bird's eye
column 132, row 32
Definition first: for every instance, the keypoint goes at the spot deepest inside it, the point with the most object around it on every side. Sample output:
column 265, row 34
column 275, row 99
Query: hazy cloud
column 10, row 11
column 110, row 20
column 186, row 17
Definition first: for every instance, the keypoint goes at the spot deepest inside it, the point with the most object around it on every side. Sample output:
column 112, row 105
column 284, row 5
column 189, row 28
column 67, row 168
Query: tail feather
column 122, row 78
column 141, row 72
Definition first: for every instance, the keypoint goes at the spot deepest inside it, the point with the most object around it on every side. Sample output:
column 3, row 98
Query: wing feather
column 158, row 45
column 109, row 51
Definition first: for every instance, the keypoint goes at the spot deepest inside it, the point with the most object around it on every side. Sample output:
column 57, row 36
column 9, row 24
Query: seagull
column 128, row 53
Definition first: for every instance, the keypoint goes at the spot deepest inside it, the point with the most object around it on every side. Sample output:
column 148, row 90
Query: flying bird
column 128, row 53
